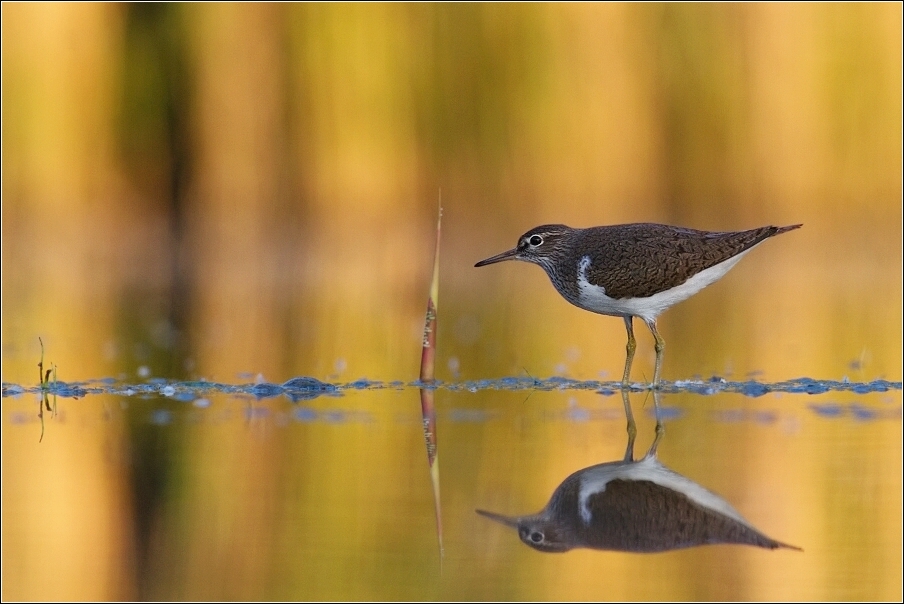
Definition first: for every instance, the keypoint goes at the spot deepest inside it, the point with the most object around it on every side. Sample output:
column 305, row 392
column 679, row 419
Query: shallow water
column 203, row 201
column 208, row 492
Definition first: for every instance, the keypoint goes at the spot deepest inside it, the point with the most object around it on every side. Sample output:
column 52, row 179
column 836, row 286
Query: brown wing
column 639, row 260
column 642, row 516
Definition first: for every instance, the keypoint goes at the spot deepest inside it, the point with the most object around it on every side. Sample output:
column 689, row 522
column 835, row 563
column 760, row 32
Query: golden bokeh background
column 238, row 190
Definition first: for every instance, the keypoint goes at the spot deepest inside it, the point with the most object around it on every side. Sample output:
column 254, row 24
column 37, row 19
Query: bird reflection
column 634, row 506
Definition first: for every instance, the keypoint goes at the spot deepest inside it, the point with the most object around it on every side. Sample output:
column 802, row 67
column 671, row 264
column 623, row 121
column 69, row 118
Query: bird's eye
column 536, row 240
column 536, row 536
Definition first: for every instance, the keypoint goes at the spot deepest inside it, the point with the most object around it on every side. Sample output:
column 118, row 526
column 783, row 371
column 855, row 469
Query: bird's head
column 539, row 245
column 536, row 531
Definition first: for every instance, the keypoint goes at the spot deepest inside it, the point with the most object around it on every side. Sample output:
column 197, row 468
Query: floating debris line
column 308, row 388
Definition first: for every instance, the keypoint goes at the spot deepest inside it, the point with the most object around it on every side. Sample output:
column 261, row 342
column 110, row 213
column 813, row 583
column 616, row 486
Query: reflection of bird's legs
column 660, row 347
column 630, row 348
column 660, row 428
column 632, row 427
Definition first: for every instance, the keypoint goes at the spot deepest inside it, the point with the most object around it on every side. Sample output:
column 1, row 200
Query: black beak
column 509, row 255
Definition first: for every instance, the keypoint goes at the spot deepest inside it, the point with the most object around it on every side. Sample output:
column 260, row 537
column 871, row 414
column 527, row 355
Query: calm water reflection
column 633, row 505
column 229, row 496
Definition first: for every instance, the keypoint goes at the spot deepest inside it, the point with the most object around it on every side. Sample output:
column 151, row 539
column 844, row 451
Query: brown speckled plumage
column 644, row 259
column 638, row 260
column 631, row 514
column 642, row 516
column 633, row 270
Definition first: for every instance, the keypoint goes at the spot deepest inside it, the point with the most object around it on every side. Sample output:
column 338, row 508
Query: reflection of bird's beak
column 509, row 255
column 507, row 521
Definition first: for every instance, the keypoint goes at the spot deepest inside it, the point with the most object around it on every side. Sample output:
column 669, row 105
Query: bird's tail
column 784, row 229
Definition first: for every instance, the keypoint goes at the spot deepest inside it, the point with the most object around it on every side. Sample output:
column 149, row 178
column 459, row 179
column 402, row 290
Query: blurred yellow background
column 233, row 190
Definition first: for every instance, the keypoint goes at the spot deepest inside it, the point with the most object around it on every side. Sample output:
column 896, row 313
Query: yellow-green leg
column 630, row 348
column 660, row 347
column 660, row 428
column 632, row 427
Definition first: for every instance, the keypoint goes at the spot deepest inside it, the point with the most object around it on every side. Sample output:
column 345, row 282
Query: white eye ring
column 535, row 240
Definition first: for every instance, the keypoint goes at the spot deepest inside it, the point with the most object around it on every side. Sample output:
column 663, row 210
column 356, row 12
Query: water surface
column 232, row 495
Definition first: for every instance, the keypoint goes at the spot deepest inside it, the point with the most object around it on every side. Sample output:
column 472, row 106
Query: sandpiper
column 634, row 506
column 633, row 270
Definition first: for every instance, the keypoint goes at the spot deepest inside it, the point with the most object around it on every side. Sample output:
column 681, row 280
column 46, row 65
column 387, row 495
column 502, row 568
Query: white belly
column 594, row 298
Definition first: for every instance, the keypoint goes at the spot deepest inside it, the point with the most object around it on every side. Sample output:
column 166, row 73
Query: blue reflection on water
column 305, row 388
column 161, row 417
